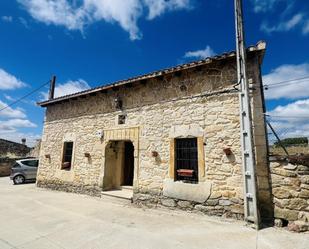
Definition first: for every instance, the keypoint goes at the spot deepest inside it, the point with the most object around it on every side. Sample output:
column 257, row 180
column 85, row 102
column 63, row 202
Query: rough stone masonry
column 195, row 100
column 290, row 189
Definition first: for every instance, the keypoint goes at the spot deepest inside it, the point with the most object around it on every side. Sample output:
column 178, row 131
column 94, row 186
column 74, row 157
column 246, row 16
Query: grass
column 292, row 150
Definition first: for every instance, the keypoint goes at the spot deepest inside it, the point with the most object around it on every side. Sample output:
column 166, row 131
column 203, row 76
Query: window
column 31, row 163
column 16, row 165
column 186, row 160
column 121, row 119
column 67, row 155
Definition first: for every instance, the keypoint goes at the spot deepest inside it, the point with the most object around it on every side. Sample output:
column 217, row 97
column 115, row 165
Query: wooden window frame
column 200, row 158
column 63, row 165
column 186, row 160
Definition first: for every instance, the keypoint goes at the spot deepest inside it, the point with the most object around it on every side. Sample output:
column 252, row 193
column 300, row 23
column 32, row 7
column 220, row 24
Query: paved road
column 36, row 218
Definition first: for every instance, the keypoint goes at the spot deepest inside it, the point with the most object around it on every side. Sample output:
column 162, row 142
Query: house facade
column 173, row 135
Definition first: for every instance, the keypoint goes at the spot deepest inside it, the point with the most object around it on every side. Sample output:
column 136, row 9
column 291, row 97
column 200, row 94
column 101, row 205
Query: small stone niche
column 121, row 119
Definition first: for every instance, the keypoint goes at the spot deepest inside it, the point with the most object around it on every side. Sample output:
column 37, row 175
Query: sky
column 87, row 43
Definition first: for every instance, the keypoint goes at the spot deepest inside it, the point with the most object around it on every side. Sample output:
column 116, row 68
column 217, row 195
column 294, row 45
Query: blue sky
column 87, row 43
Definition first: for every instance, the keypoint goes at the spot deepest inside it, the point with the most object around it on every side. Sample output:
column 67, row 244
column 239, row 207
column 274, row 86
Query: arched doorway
column 119, row 165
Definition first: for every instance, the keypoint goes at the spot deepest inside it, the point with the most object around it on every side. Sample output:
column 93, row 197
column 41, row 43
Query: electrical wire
column 286, row 117
column 280, row 82
column 25, row 96
column 286, row 82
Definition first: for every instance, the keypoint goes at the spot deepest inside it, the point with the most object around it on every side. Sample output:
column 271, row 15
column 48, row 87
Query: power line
column 287, row 82
column 25, row 96
column 280, row 82
column 275, row 116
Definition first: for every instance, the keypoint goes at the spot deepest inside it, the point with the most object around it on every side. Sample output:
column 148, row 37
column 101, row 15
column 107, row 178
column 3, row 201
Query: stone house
column 172, row 135
column 10, row 149
column 9, row 152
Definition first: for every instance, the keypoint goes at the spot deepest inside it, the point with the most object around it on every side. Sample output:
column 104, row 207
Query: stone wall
column 35, row 151
column 290, row 189
column 202, row 103
column 11, row 149
column 5, row 166
column 260, row 144
column 9, row 152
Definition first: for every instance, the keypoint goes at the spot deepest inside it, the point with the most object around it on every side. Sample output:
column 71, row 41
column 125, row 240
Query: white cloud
column 24, row 22
column 263, row 5
column 284, row 25
column 16, row 119
column 12, row 119
column 68, row 88
column 57, row 12
column 296, row 19
column 75, row 16
column 289, row 90
column 200, row 54
column 306, row 27
column 71, row 87
column 11, row 112
column 291, row 120
column 16, row 136
column 287, row 128
column 299, row 108
column 8, row 81
column 16, row 123
column 7, row 18
column 125, row 13
column 8, row 97
column 159, row 7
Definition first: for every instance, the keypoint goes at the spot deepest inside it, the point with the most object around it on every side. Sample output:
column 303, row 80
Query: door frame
column 121, row 134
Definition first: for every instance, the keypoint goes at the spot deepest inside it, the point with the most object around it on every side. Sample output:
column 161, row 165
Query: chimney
column 52, row 88
column 23, row 141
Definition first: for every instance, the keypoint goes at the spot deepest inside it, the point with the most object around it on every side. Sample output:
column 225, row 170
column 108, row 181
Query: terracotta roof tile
column 260, row 46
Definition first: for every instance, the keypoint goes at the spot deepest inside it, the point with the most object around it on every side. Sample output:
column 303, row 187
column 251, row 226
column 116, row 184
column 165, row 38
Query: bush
column 293, row 141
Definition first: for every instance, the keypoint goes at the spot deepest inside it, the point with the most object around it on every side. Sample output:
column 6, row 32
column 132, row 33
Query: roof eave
column 259, row 47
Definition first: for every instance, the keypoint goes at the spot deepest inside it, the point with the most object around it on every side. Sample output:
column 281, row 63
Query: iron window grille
column 186, row 160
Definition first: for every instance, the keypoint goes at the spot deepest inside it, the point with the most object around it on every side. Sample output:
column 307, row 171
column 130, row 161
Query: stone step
column 124, row 194
column 127, row 187
column 116, row 200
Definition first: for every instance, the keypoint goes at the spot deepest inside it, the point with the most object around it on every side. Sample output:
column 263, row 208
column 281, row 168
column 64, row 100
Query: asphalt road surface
column 36, row 218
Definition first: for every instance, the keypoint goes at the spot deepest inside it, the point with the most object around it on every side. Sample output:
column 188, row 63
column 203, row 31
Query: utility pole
column 52, row 87
column 248, row 156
